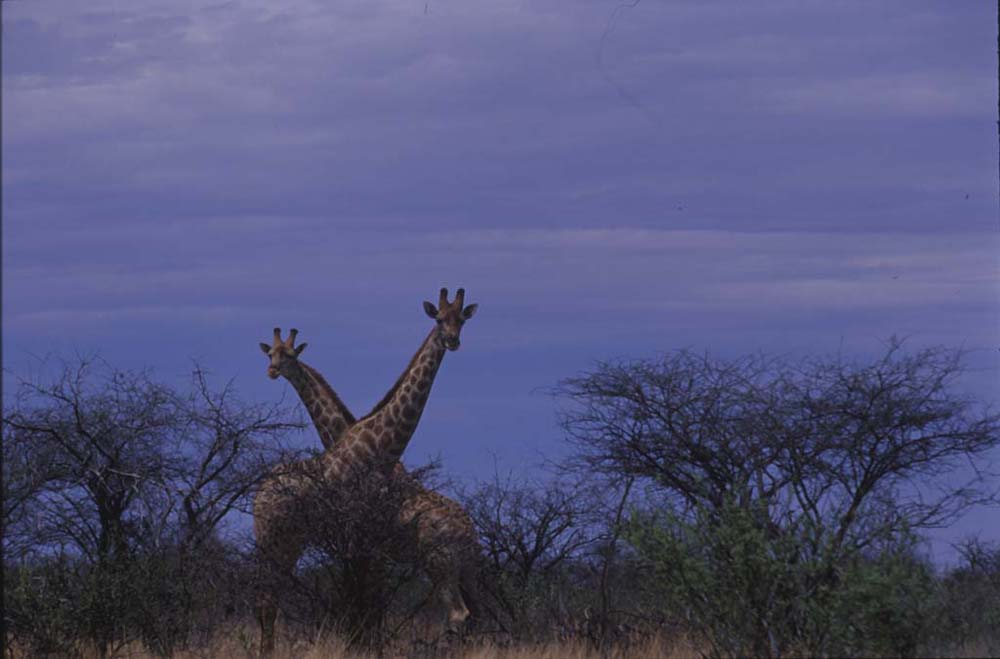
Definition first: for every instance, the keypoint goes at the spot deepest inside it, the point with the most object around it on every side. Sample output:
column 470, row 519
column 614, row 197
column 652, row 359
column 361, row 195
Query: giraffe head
column 283, row 354
column 450, row 317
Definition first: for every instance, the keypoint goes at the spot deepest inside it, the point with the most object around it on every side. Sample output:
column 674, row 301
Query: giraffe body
column 444, row 534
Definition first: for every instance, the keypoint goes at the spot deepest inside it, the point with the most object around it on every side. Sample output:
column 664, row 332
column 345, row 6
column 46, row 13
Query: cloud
column 924, row 95
column 500, row 114
column 69, row 319
column 597, row 281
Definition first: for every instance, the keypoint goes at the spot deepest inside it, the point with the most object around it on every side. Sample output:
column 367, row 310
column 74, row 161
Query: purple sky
column 790, row 177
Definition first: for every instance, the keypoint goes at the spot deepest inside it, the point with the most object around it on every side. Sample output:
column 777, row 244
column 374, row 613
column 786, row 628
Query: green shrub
column 749, row 589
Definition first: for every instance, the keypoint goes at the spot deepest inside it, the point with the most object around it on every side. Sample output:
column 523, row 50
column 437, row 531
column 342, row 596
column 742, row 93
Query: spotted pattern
column 378, row 440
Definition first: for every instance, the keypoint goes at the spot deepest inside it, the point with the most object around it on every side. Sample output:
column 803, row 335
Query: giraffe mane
column 399, row 381
column 325, row 386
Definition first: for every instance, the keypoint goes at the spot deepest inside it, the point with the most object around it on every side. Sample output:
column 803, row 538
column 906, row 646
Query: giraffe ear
column 469, row 311
column 266, row 348
column 430, row 310
column 299, row 348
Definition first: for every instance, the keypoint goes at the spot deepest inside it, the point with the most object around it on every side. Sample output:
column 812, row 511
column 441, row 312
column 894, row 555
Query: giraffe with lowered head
column 377, row 442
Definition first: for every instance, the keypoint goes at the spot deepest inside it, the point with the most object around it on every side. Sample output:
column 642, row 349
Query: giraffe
column 439, row 520
column 376, row 441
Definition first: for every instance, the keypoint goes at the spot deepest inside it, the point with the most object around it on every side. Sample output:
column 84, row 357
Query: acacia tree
column 531, row 534
column 229, row 446
column 120, row 472
column 815, row 465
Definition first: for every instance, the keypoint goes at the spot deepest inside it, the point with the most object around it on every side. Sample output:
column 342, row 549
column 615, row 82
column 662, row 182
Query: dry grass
column 658, row 648
column 241, row 643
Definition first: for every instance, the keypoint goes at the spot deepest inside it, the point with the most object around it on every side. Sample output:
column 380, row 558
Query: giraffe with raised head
column 376, row 441
column 440, row 521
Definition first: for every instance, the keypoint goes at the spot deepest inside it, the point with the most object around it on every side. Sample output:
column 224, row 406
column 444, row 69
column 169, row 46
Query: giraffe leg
column 266, row 605
column 450, row 597
column 276, row 569
column 468, row 586
column 442, row 569
column 267, row 612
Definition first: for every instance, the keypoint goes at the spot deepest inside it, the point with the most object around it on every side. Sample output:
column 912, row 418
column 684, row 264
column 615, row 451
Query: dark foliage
column 763, row 507
column 360, row 558
column 777, row 486
column 123, row 483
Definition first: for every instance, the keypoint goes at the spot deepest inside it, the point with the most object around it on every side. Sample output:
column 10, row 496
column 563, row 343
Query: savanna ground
column 240, row 643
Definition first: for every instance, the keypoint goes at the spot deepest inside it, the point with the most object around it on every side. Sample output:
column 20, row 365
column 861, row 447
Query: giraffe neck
column 329, row 414
column 382, row 435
